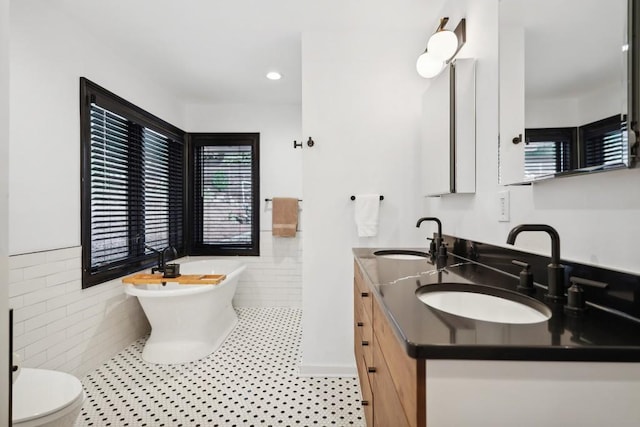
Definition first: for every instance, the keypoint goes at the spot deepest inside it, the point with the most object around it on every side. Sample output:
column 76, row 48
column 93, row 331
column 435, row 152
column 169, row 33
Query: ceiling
column 219, row 51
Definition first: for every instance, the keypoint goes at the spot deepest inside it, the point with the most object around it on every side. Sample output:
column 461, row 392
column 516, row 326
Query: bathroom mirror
column 565, row 88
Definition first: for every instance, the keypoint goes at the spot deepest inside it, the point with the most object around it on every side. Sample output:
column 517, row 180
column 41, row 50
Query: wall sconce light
column 442, row 47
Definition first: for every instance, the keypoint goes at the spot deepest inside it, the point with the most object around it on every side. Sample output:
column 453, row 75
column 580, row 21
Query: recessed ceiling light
column 274, row 75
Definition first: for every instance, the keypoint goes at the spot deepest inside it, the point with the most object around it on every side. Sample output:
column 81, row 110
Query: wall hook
column 297, row 144
column 310, row 142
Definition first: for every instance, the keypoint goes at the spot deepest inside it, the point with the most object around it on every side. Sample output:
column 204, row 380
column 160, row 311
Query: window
column 224, row 196
column 604, row 142
column 548, row 151
column 596, row 145
column 132, row 186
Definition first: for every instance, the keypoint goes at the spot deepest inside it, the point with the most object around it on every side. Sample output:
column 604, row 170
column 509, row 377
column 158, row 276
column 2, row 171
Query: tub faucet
column 162, row 257
column 555, row 270
column 437, row 248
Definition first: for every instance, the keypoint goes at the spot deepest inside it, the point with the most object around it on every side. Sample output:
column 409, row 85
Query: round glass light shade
column 274, row 75
column 429, row 66
column 443, row 44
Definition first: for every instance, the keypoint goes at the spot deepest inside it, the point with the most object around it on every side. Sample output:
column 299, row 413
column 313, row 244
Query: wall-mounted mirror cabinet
column 567, row 73
column 448, row 162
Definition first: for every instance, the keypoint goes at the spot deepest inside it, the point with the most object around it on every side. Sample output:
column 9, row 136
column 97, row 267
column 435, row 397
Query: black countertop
column 428, row 333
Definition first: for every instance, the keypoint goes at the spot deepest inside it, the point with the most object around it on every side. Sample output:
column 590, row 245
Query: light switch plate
column 503, row 206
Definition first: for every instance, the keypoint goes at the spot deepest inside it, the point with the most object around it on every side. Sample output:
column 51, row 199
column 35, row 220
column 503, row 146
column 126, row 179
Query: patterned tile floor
column 250, row 381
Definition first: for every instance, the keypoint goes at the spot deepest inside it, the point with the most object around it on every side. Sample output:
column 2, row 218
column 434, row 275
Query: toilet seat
column 39, row 394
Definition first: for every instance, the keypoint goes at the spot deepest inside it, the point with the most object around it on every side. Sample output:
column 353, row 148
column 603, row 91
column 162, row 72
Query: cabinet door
column 436, row 146
column 407, row 374
column 388, row 410
column 448, row 131
column 512, row 69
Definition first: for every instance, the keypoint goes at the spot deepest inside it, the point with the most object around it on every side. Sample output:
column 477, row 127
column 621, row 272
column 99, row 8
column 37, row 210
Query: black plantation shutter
column 110, row 187
column 136, row 190
column 548, row 151
column 163, row 195
column 133, row 193
column 225, row 194
column 604, row 142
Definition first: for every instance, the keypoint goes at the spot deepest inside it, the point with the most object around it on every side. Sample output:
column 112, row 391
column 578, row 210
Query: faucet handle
column 575, row 280
column 432, row 246
column 522, row 264
column 526, row 277
column 575, row 294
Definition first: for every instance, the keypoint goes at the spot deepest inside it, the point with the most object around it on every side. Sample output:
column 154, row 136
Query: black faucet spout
column 555, row 238
column 163, row 257
column 434, row 219
column 555, row 270
column 438, row 249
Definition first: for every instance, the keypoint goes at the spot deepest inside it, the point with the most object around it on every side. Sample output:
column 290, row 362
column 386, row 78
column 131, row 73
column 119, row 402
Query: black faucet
column 555, row 270
column 437, row 247
column 162, row 257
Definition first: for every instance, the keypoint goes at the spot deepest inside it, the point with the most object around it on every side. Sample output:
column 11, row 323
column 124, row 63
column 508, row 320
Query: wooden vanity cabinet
column 363, row 341
column 392, row 383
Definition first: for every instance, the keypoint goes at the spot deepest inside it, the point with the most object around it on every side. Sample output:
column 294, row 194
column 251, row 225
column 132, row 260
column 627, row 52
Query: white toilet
column 46, row 398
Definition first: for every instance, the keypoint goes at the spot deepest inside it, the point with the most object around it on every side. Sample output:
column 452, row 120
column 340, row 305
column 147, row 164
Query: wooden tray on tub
column 184, row 279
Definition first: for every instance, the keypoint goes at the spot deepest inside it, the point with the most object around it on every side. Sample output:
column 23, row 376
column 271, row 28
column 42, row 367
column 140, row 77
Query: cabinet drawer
column 362, row 293
column 362, row 298
column 365, row 387
column 388, row 410
column 358, row 278
column 364, row 326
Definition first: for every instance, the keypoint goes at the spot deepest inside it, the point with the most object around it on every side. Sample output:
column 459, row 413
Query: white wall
column 548, row 113
column 279, row 125
column 59, row 325
column 602, row 102
column 49, row 52
column 361, row 104
column 4, row 189
column 595, row 215
column 595, row 105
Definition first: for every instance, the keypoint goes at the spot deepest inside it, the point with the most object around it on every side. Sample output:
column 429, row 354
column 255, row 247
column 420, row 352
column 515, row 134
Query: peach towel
column 285, row 216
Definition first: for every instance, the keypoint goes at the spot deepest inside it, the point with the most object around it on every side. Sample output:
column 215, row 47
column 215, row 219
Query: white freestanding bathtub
column 189, row 322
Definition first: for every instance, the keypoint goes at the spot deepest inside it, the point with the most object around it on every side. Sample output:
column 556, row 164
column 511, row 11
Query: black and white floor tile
column 250, row 381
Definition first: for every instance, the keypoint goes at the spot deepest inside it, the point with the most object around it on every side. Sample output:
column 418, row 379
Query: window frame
column 91, row 92
column 195, row 140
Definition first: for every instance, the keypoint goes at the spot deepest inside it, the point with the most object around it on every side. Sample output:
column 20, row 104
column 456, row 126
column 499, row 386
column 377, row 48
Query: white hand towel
column 366, row 214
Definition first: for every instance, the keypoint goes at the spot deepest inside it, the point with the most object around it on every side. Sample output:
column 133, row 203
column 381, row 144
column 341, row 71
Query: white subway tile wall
column 274, row 279
column 58, row 325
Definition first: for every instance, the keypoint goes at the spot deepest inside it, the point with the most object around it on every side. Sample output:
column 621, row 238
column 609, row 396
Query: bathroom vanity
column 420, row 366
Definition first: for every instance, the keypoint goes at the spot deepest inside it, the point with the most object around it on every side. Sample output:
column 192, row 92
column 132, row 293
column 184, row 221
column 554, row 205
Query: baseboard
column 327, row 370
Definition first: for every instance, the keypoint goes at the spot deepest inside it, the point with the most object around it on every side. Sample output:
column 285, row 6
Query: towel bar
column 354, row 197
column 269, row 200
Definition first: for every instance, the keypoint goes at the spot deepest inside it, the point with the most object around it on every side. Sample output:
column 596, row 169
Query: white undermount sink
column 485, row 303
column 402, row 254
